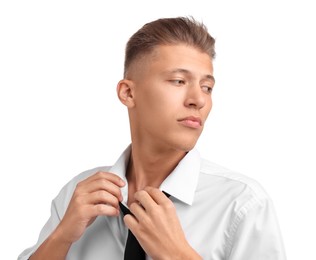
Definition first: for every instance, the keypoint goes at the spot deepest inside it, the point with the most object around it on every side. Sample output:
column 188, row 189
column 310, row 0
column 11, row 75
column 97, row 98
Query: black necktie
column 133, row 250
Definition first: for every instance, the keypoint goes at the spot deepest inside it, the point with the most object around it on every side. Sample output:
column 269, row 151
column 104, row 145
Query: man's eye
column 178, row 81
column 207, row 89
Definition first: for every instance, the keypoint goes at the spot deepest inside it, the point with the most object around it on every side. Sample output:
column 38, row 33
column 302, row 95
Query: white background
column 59, row 65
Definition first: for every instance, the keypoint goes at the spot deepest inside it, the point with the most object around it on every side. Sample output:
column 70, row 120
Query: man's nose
column 195, row 97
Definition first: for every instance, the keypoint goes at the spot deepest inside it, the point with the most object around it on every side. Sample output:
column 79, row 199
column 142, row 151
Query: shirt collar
column 180, row 184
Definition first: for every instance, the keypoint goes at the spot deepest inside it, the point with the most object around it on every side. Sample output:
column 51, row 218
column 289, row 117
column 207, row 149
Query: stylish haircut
column 168, row 31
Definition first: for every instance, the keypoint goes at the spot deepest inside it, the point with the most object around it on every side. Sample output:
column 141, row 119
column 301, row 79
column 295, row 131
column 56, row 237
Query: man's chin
column 186, row 146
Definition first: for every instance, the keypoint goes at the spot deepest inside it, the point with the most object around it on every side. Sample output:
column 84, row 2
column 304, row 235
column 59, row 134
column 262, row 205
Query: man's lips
column 191, row 121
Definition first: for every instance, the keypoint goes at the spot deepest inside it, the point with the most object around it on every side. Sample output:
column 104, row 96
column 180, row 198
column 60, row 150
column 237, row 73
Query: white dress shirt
column 224, row 215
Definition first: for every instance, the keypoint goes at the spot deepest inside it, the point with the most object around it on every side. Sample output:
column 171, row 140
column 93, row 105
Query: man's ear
column 125, row 92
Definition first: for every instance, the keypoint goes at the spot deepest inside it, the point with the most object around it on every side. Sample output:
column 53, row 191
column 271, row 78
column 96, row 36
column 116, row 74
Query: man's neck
column 149, row 167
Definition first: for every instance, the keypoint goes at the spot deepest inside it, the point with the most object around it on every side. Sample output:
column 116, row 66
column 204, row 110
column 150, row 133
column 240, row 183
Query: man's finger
column 101, row 197
column 145, row 200
column 157, row 195
column 106, row 175
column 105, row 185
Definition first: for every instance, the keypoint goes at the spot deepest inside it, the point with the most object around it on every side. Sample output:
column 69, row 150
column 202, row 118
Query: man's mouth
column 191, row 122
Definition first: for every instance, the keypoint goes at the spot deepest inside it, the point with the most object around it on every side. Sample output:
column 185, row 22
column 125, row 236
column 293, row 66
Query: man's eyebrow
column 185, row 71
column 211, row 77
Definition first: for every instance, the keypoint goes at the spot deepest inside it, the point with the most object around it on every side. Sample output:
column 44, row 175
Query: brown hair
column 168, row 31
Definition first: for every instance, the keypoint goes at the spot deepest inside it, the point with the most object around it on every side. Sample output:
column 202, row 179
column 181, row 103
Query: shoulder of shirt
column 214, row 170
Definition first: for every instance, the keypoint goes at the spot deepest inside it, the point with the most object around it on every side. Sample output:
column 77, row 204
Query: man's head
column 168, row 31
column 168, row 79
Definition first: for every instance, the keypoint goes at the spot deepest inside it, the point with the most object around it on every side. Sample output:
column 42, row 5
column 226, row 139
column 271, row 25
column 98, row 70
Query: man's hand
column 97, row 195
column 156, row 226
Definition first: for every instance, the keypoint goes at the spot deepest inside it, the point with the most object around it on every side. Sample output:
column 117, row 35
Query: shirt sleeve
column 58, row 208
column 48, row 228
column 255, row 233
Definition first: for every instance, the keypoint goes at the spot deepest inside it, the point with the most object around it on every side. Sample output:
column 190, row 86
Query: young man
column 182, row 206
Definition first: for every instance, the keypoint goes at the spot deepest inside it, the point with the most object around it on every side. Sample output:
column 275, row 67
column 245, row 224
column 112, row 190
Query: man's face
column 172, row 95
